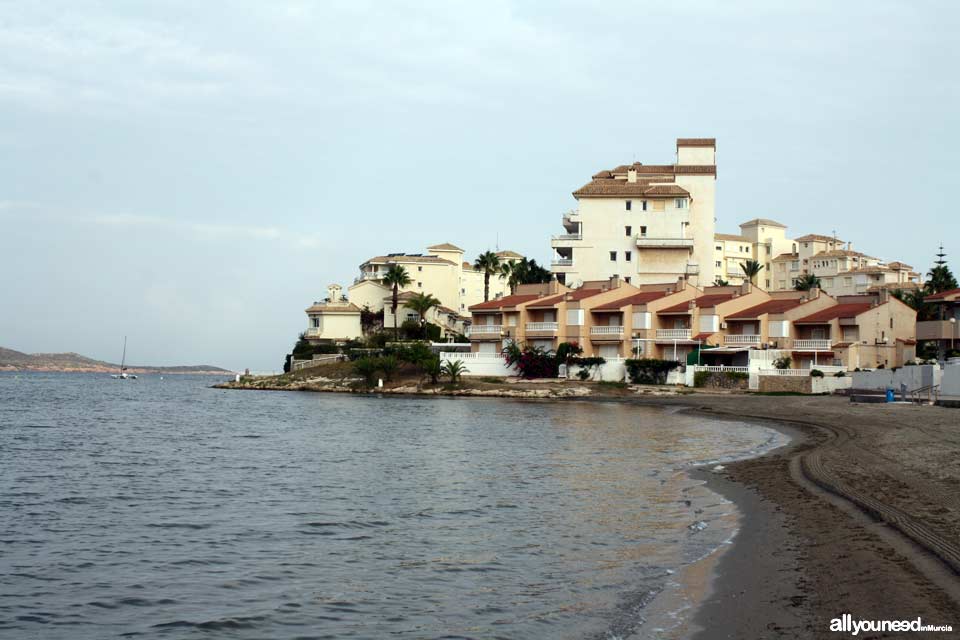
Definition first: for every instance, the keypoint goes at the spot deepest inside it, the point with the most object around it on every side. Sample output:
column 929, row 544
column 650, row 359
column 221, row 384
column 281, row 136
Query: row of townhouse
column 657, row 223
column 729, row 325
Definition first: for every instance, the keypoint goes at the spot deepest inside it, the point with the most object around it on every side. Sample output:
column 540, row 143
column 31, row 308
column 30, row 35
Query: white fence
column 541, row 326
column 480, row 364
column 606, row 331
column 673, row 334
column 318, row 360
column 720, row 369
column 811, row 345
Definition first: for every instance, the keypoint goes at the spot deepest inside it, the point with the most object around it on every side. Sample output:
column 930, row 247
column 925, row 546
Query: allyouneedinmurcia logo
column 846, row 623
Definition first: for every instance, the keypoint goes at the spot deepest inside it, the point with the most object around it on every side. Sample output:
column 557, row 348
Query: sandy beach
column 857, row 516
column 860, row 514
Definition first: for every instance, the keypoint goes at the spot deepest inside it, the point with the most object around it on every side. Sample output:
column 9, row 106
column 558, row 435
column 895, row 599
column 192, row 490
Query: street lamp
column 953, row 331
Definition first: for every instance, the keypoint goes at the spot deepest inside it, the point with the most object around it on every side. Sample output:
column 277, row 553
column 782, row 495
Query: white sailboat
column 123, row 375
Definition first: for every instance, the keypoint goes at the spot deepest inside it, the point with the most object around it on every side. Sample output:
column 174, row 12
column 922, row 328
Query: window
column 419, row 268
column 719, row 264
column 314, row 322
column 719, row 248
column 659, row 205
column 768, row 283
column 613, row 256
column 463, row 292
column 891, row 322
column 628, row 230
column 643, row 232
column 680, row 203
column 420, row 285
column 627, row 279
column 411, row 316
column 627, row 255
column 629, row 204
column 644, row 205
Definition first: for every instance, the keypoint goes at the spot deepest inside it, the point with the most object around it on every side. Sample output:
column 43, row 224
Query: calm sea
column 162, row 508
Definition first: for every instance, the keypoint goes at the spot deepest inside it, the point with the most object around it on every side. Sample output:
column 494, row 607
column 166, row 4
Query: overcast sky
column 193, row 174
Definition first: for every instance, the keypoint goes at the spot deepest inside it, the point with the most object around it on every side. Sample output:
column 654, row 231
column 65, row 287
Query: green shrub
column 432, row 368
column 736, row 375
column 649, row 370
column 700, row 378
column 366, row 368
column 389, row 366
column 567, row 352
column 453, row 369
column 583, row 373
column 840, row 374
column 782, row 363
column 816, row 373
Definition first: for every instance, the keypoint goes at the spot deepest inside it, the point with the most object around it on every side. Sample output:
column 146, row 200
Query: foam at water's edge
column 670, row 614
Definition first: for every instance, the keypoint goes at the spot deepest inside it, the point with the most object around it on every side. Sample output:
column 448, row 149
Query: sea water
column 168, row 509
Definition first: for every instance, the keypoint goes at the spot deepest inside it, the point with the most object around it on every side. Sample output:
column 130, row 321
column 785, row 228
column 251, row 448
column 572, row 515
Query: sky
column 193, row 174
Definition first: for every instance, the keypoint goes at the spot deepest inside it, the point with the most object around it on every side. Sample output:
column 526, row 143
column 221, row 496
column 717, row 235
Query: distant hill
column 11, row 360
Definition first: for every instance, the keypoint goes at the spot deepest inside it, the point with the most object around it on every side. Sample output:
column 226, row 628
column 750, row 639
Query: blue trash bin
column 890, row 397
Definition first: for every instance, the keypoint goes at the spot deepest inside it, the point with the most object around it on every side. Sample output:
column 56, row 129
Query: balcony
column 937, row 330
column 673, row 334
column 571, row 220
column 693, row 269
column 565, row 239
column 742, row 340
column 614, row 334
column 369, row 275
column 314, row 332
column 561, row 262
column 812, row 345
column 541, row 327
column 646, row 242
column 486, row 330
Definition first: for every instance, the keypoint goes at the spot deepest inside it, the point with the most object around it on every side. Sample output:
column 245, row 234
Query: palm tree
column 806, row 282
column 396, row 277
column 914, row 300
column 454, row 369
column 751, row 268
column 940, row 279
column 510, row 273
column 489, row 263
column 422, row 303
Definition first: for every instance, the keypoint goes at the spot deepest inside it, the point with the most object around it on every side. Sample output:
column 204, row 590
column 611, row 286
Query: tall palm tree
column 806, row 282
column 396, row 277
column 751, row 268
column 422, row 303
column 489, row 263
column 915, row 300
column 512, row 272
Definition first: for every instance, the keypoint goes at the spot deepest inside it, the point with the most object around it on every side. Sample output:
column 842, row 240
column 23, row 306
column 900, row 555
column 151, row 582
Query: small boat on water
column 123, row 375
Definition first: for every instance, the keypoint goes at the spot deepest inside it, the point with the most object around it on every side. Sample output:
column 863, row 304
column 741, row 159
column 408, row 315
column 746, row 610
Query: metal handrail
column 932, row 391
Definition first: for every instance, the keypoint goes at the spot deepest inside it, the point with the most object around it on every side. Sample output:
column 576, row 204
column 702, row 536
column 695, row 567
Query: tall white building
column 646, row 224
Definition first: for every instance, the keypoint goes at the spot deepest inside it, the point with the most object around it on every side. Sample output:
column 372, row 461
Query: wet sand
column 859, row 515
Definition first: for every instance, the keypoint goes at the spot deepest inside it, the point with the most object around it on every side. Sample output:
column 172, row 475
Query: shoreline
column 862, row 496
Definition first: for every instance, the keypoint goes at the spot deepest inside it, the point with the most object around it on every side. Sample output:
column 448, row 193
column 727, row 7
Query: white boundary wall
column 480, row 364
column 914, row 377
column 950, row 382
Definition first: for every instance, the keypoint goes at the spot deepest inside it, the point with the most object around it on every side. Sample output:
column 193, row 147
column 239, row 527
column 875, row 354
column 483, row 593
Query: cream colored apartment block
column 644, row 224
column 441, row 272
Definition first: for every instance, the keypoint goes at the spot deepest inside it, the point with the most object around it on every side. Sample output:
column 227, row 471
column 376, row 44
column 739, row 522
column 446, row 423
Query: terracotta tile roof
column 638, row 298
column 605, row 187
column 951, row 294
column 703, row 336
column 703, row 302
column 696, row 142
column 403, row 257
column 899, row 266
column 446, row 246
column 508, row 254
column 763, row 221
column 770, row 306
column 326, row 307
column 893, row 286
column 815, row 237
column 504, row 302
column 848, row 310
column 787, row 256
column 731, row 237
column 572, row 296
column 661, row 169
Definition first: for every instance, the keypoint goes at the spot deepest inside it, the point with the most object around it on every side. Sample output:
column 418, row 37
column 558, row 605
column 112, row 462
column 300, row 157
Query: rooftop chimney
column 631, row 175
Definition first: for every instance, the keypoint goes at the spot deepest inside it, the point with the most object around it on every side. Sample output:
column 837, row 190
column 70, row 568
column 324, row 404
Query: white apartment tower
column 647, row 224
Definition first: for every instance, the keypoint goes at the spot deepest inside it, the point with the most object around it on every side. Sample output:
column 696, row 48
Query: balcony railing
column 664, row 243
column 742, row 340
column 811, row 345
column 562, row 262
column 314, row 332
column 541, row 326
column 673, row 334
column 606, row 331
column 485, row 329
column 567, row 236
column 370, row 275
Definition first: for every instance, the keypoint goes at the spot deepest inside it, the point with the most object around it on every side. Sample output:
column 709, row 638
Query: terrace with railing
column 743, row 340
column 673, row 334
